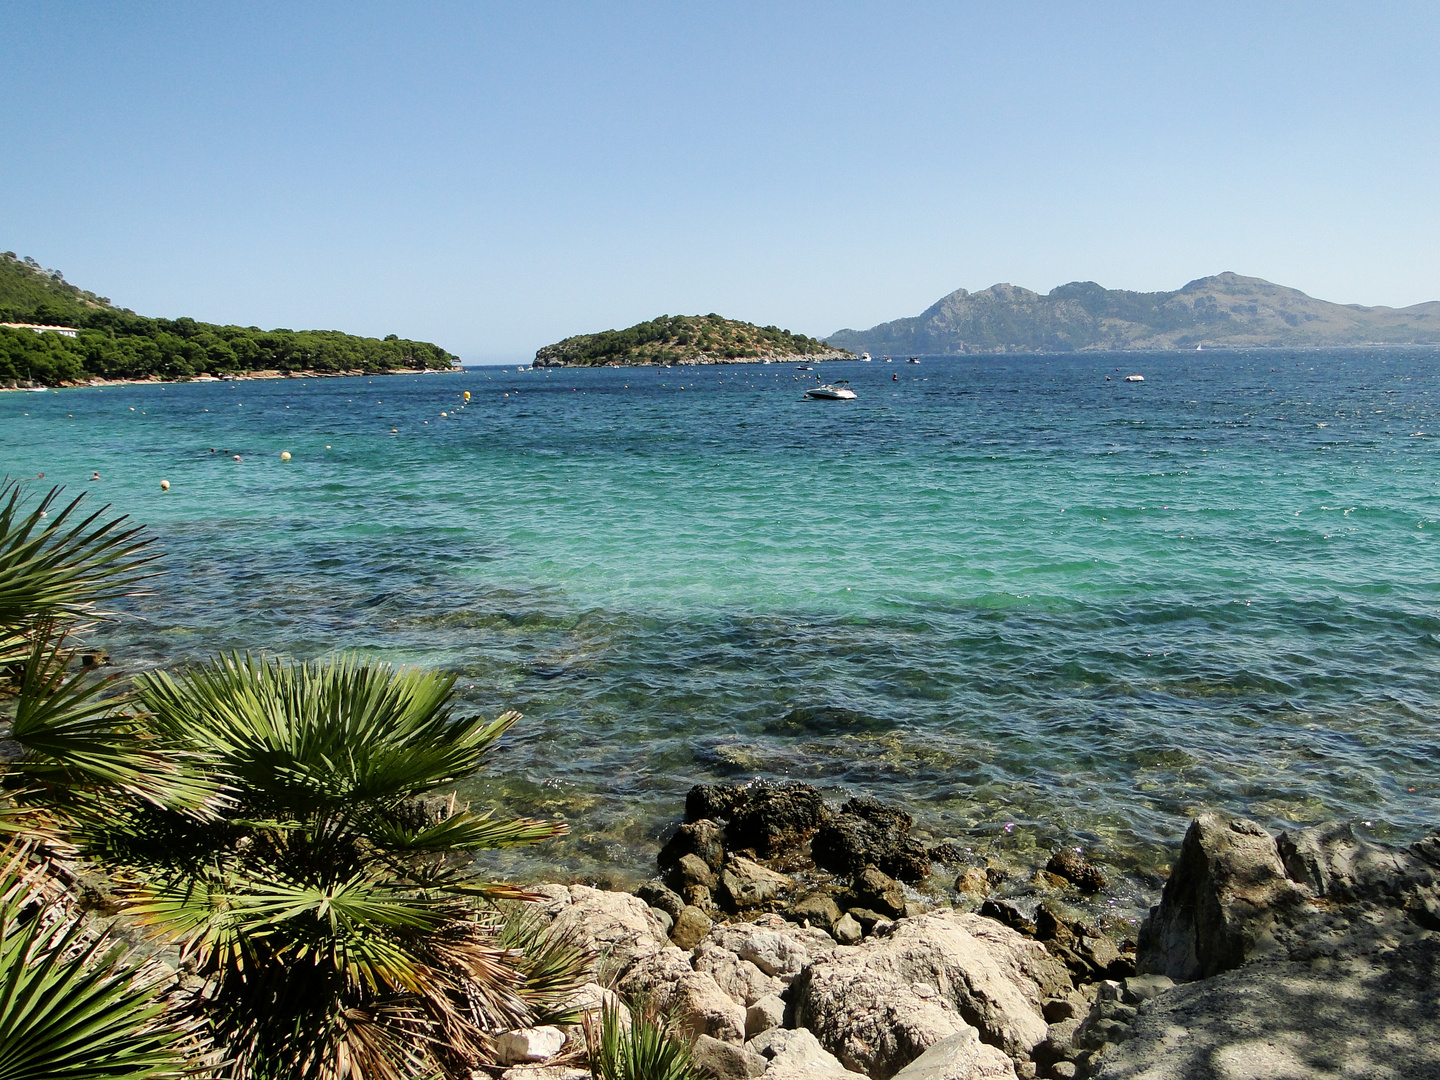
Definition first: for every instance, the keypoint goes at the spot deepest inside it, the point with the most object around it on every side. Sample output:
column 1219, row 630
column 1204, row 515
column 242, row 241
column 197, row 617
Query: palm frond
column 71, row 1004
column 61, row 563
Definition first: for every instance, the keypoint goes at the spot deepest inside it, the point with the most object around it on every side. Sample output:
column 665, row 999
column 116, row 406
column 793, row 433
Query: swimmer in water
column 95, row 476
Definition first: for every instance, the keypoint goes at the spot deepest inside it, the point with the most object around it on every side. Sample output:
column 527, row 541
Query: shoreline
column 262, row 374
column 773, row 358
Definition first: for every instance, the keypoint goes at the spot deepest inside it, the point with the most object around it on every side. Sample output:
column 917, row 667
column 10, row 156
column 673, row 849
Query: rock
column 744, row 883
column 541, row 1072
column 766, row 1013
column 592, row 999
column 973, row 882
column 1372, row 1017
column 1064, row 1070
column 1076, row 869
column 775, row 946
column 616, row 926
column 726, row 1061
column 528, row 1044
column 655, row 893
column 961, row 1056
column 1007, row 914
column 1057, row 1010
column 1138, row 988
column 879, row 1005
column 948, row 853
column 690, row 928
column 847, row 930
column 798, row 1055
column 1224, row 894
column 693, row 870
column 867, row 832
column 714, row 801
column 1083, row 948
column 693, row 999
column 818, row 910
column 740, row 979
column 698, row 896
column 665, row 920
column 1337, row 865
column 776, row 818
column 879, row 892
column 703, row 839
column 867, row 919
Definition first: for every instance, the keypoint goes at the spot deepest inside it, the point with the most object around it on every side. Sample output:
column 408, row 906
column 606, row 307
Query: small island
column 686, row 339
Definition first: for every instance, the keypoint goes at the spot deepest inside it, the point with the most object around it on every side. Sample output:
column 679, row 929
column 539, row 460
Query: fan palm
column 73, row 1005
column 326, row 904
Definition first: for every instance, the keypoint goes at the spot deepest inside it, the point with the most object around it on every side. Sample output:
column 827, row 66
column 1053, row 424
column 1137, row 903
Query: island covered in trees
column 684, row 339
column 94, row 339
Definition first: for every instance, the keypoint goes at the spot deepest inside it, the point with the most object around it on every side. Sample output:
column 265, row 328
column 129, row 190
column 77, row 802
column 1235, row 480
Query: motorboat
column 865, row 358
column 912, row 360
column 836, row 391
column 803, row 367
column 1134, row 378
column 888, row 360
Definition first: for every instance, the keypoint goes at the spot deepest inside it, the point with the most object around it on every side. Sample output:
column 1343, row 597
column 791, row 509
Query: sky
column 496, row 176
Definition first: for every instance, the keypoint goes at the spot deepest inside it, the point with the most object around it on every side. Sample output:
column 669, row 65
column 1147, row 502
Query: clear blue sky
column 494, row 176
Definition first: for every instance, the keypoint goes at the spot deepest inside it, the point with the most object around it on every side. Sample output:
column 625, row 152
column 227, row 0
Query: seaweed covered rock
column 868, row 832
column 776, row 818
column 703, row 838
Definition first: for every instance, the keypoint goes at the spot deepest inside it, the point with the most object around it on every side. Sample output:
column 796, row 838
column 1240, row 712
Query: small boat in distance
column 865, row 358
column 888, row 360
column 912, row 360
column 803, row 367
column 1134, row 378
column 837, row 391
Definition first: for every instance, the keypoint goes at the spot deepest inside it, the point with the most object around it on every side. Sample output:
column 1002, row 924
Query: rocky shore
column 780, row 934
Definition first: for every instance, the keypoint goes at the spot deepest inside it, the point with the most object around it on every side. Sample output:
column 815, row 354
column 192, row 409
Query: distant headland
column 1226, row 310
column 54, row 334
column 685, row 339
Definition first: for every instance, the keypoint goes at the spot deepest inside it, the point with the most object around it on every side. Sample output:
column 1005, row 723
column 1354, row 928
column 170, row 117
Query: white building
column 63, row 331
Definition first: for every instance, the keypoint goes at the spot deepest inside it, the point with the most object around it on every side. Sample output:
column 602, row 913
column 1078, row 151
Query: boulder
column 880, row 1005
column 528, row 1044
column 693, row 870
column 1222, row 899
column 744, row 883
column 847, row 930
column 879, row 892
column 973, row 882
column 692, row 999
column 766, row 1013
column 798, row 1055
column 961, row 1056
column 1076, row 869
column 776, row 818
column 726, row 1061
column 867, row 832
column 717, row 802
column 1085, row 950
column 1335, row 864
column 741, row 979
column 777, row 947
column 618, row 927
column 704, row 839
column 690, row 927
column 816, row 909
column 661, row 897
column 592, row 999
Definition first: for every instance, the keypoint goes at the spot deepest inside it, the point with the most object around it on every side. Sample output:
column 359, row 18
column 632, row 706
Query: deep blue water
column 1082, row 609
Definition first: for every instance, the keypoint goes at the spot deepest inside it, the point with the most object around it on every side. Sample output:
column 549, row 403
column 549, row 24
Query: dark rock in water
column 690, row 928
column 1007, row 914
column 1076, row 869
column 952, row 854
column 868, row 832
column 704, row 838
column 879, row 892
column 825, row 720
column 655, row 893
column 776, row 818
column 817, row 910
column 1223, row 896
column 715, row 801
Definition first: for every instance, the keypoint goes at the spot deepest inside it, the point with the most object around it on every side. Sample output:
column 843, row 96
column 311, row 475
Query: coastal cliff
column 685, row 339
column 1224, row 310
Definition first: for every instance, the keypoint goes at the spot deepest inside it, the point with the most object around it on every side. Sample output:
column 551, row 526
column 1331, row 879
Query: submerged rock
column 1076, row 869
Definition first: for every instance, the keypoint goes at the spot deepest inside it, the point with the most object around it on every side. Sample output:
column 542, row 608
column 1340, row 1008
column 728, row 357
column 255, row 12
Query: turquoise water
column 1033, row 605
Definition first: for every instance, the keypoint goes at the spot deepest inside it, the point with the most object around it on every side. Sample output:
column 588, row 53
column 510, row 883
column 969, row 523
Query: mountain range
column 1224, row 310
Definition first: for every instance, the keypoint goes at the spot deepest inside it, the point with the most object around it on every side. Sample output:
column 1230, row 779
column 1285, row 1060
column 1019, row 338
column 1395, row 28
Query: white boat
column 1134, row 378
column 837, row 391
column 913, row 360
column 865, row 358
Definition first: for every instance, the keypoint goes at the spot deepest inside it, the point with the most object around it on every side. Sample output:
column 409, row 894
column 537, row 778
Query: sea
column 1033, row 603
